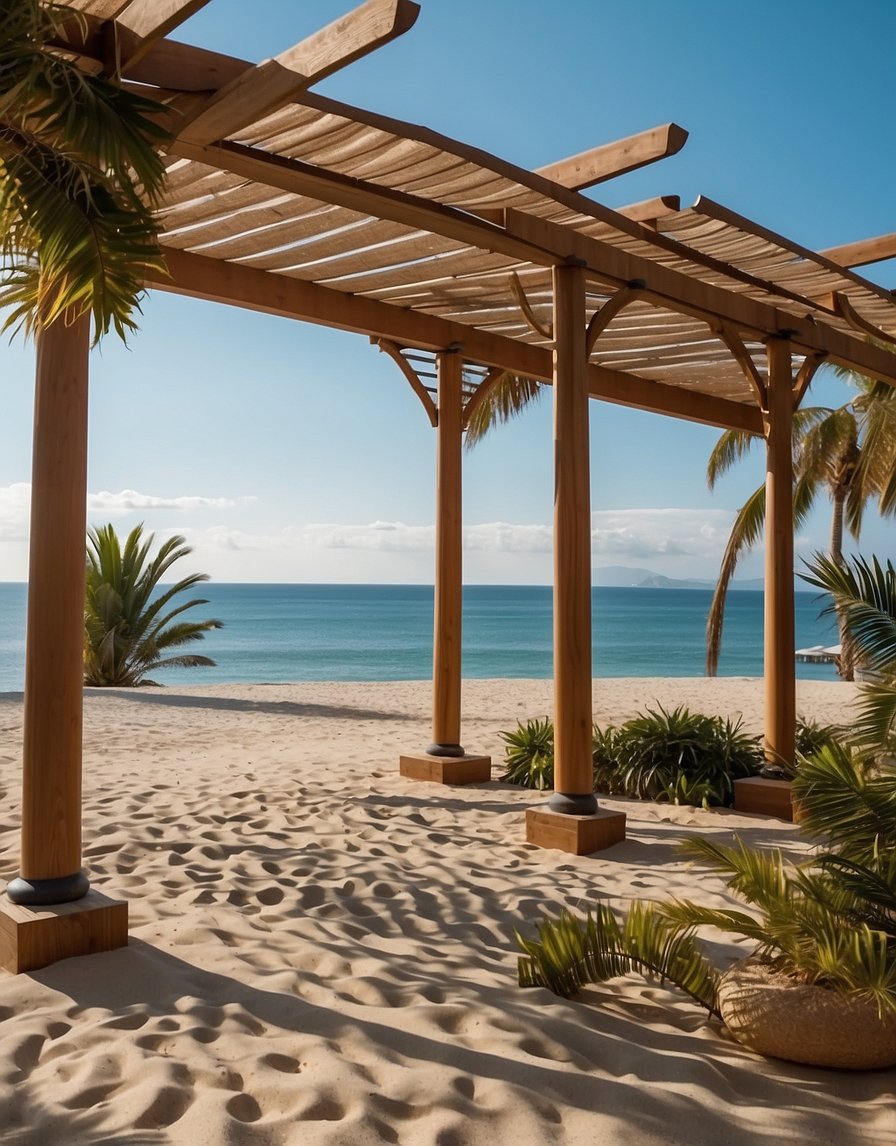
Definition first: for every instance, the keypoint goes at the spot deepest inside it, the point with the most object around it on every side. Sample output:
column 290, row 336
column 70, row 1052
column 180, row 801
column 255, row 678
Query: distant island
column 628, row 577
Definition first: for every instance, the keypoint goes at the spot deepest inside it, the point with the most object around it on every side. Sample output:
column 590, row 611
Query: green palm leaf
column 507, row 398
column 128, row 624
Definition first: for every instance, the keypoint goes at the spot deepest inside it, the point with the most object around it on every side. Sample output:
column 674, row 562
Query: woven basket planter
column 769, row 1013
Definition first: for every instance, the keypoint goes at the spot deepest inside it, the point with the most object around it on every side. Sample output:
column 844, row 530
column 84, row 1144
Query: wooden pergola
column 462, row 267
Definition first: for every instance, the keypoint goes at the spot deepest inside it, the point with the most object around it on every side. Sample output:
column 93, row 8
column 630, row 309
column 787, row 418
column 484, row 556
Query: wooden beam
column 617, row 158
column 864, row 252
column 780, row 663
column 198, row 276
column 256, row 93
column 688, row 295
column 394, row 352
column 144, row 23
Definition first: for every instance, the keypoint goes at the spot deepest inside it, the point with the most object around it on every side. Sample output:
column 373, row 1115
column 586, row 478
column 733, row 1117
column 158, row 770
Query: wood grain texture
column 573, row 773
column 617, row 158
column 780, row 664
column 54, row 656
column 35, row 937
column 448, row 601
column 255, row 93
column 576, row 835
column 445, row 770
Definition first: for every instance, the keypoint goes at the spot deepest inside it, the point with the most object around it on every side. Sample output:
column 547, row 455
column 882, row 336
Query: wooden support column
column 572, row 821
column 780, row 664
column 51, row 876
column 446, row 665
column 445, row 760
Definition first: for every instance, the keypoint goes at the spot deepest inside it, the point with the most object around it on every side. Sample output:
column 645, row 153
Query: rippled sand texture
column 322, row 952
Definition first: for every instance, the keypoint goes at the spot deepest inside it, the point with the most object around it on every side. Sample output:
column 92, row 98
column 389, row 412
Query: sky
column 286, row 452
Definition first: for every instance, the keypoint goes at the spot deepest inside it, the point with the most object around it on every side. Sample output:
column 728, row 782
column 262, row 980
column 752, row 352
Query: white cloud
column 15, row 506
column 655, row 533
column 129, row 499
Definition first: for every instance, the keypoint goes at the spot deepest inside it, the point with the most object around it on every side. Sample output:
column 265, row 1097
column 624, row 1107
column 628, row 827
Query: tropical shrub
column 529, row 755
column 681, row 756
column 830, row 921
column 129, row 626
column 864, row 598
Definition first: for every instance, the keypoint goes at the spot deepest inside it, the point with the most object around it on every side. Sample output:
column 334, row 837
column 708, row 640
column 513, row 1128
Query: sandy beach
column 323, row 952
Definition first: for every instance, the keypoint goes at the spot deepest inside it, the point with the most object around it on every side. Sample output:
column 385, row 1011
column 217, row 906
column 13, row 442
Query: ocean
column 384, row 632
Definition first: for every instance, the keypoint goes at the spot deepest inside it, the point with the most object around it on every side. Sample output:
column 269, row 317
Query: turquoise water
column 384, row 632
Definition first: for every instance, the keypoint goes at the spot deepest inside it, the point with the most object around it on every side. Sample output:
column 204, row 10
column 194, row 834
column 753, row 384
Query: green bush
column 679, row 756
column 529, row 755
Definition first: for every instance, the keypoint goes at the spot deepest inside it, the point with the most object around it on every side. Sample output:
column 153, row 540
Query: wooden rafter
column 617, row 158
column 408, row 371
column 864, row 252
column 218, row 281
column 261, row 90
column 143, row 23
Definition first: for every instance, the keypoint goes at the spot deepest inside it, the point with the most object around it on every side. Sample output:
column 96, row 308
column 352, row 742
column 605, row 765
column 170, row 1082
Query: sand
column 323, row 952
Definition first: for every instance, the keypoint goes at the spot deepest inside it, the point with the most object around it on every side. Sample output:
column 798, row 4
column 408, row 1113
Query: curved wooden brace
column 845, row 309
column 742, row 356
column 528, row 313
column 481, row 393
column 407, row 370
column 602, row 318
column 805, row 375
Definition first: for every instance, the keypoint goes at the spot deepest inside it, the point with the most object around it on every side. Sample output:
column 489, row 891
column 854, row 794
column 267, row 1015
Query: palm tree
column 864, row 598
column 79, row 173
column 127, row 621
column 848, row 452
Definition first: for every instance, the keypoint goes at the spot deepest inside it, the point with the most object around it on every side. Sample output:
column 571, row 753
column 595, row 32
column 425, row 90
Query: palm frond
column 570, row 953
column 507, row 399
column 745, row 532
column 728, row 450
column 841, row 799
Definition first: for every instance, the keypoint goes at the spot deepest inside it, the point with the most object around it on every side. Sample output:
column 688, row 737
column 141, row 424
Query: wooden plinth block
column 578, row 835
column 446, row 769
column 759, row 797
column 34, row 937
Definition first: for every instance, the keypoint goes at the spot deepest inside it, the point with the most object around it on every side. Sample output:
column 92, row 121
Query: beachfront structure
column 290, row 203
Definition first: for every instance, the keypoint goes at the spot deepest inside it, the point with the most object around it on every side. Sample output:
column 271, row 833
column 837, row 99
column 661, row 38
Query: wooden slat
column 220, row 281
column 616, row 158
column 275, row 82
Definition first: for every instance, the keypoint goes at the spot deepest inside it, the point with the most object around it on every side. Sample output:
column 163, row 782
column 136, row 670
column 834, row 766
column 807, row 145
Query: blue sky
column 287, row 452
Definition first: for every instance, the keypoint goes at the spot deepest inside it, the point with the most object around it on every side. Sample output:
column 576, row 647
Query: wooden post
column 780, row 665
column 445, row 761
column 446, row 669
column 573, row 772
column 54, row 661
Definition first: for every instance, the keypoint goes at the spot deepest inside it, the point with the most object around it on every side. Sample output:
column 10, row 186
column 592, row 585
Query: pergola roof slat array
column 269, row 178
